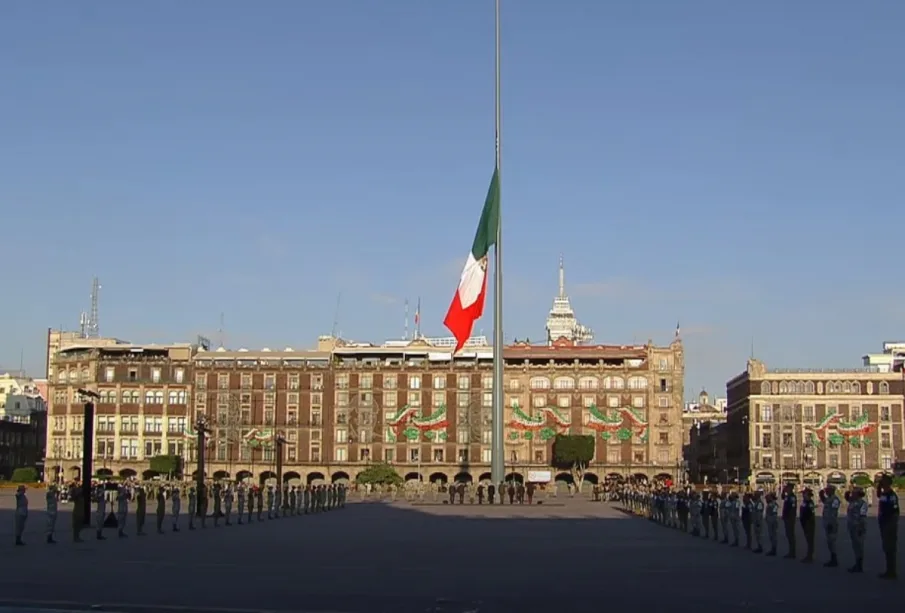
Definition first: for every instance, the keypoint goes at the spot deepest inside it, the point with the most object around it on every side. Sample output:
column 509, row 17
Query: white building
column 19, row 397
column 891, row 359
column 561, row 322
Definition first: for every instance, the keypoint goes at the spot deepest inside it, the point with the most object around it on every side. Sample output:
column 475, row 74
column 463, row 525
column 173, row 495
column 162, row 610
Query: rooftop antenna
column 339, row 298
column 562, row 277
column 21, row 362
column 93, row 325
column 220, row 333
column 405, row 335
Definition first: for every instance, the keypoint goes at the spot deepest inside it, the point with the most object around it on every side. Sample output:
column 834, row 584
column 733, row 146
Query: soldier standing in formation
column 888, row 519
column 100, row 497
column 856, row 518
column 122, row 510
column 259, row 503
column 21, row 514
column 78, row 513
column 789, row 510
column 192, row 506
column 228, row 504
column 293, row 500
column 240, row 501
column 746, row 519
column 161, row 509
column 735, row 518
column 141, row 509
column 175, row 507
column 51, row 500
column 807, row 515
column 218, row 510
column 831, row 504
column 757, row 521
column 771, row 516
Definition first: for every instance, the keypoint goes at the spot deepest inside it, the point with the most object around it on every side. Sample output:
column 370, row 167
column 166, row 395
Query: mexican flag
column 468, row 303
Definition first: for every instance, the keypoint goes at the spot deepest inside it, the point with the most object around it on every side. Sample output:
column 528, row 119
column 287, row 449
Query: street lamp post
column 88, row 397
column 202, row 429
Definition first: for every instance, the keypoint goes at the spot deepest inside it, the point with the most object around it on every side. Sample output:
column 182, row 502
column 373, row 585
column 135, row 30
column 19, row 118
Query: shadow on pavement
column 383, row 557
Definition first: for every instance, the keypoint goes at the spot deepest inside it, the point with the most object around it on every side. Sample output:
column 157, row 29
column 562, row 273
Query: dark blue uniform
column 888, row 517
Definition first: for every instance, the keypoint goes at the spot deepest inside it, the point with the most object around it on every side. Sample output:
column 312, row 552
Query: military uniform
column 218, row 508
column 192, row 496
column 789, row 511
column 176, row 507
column 771, row 518
column 831, row 504
column 888, row 519
column 725, row 513
column 100, row 497
column 757, row 521
column 807, row 515
column 856, row 520
column 78, row 513
column 51, row 500
column 122, row 510
column 240, row 501
column 141, row 509
column 21, row 514
column 228, row 504
column 161, row 509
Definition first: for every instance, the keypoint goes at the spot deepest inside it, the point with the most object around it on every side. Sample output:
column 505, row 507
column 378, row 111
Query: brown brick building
column 343, row 405
column 813, row 425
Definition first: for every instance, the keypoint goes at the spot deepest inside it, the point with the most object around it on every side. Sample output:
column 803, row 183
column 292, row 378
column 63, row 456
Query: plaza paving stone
column 399, row 557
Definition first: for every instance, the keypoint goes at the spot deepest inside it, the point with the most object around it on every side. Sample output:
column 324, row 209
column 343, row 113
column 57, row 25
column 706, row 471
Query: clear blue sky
column 733, row 166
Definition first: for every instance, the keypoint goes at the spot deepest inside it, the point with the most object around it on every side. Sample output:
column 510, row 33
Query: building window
column 564, row 402
column 613, row 456
column 884, row 387
column 885, row 414
column 855, row 412
column 663, row 402
column 766, row 412
column 414, row 382
column 885, row 440
column 109, row 374
column 342, row 435
column 389, row 455
column 414, row 455
column 662, row 456
column 438, row 455
column 857, row 461
column 439, row 382
column 638, row 402
column 538, row 456
column 341, row 454
column 155, row 375
column 886, row 462
column 807, row 413
column 613, row 402
column 485, row 456
column 365, row 381
column 767, row 440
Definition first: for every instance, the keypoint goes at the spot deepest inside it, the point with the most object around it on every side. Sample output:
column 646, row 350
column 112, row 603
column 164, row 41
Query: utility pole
column 88, row 397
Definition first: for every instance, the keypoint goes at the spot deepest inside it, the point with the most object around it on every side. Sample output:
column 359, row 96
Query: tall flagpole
column 497, row 453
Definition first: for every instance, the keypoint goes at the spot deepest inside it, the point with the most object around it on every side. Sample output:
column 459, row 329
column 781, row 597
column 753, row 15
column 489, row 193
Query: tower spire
column 562, row 278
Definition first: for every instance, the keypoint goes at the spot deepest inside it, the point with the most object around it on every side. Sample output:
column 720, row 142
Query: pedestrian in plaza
column 831, row 504
column 789, row 515
column 888, row 519
column 51, row 500
column 807, row 515
column 856, row 520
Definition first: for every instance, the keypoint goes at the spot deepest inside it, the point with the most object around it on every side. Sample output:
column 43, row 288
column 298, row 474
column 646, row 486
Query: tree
column 573, row 452
column 25, row 475
column 166, row 464
column 379, row 474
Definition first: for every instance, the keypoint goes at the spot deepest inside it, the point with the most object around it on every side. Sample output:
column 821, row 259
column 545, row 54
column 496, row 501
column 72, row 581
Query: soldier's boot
column 890, row 573
column 757, row 549
column 50, row 540
column 191, row 524
column 807, row 559
column 772, row 553
column 734, row 543
column 121, row 534
column 19, row 542
column 216, row 521
column 175, row 528
column 833, row 562
column 858, row 567
column 100, row 536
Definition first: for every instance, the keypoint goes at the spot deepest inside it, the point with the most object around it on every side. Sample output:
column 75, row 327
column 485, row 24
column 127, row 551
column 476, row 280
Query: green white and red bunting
column 468, row 303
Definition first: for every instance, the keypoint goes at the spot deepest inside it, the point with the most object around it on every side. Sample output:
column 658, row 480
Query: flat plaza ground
column 567, row 555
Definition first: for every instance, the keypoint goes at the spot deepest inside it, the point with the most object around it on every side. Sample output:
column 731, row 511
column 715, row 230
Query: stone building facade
column 343, row 405
column 813, row 425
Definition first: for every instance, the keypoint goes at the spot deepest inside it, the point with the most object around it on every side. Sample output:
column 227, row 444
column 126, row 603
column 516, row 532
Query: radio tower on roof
column 92, row 328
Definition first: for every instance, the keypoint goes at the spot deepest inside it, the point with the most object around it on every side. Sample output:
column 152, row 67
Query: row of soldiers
column 732, row 514
column 249, row 504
